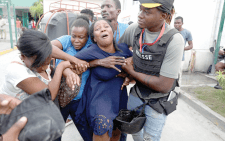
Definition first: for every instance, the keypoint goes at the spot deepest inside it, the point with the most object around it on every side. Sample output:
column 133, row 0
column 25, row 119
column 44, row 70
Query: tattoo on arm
column 147, row 80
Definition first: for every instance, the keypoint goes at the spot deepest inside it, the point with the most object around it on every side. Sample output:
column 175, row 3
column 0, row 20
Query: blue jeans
column 123, row 137
column 154, row 123
column 70, row 109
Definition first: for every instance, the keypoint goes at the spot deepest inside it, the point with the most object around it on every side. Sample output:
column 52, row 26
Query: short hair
column 35, row 43
column 88, row 12
column 179, row 17
column 117, row 4
column 92, row 33
column 81, row 21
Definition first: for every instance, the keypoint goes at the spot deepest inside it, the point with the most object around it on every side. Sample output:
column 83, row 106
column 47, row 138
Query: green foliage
column 221, row 79
column 37, row 8
column 213, row 98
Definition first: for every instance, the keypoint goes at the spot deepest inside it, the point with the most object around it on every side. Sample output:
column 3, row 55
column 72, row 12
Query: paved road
column 185, row 124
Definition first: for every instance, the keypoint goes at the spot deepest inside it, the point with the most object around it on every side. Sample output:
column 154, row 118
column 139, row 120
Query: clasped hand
column 80, row 66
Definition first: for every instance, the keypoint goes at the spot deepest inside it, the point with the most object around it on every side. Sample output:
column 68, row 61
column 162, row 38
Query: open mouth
column 105, row 36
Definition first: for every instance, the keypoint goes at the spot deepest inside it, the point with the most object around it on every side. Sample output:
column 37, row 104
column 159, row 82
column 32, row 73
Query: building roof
column 23, row 3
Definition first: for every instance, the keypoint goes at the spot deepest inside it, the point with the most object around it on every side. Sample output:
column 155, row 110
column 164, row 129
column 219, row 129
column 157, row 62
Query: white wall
column 129, row 11
column 198, row 18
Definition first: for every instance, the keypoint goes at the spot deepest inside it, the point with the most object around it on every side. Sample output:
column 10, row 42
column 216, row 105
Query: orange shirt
column 18, row 24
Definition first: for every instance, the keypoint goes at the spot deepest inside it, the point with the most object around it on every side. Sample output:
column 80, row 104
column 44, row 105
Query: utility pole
column 214, row 36
column 219, row 35
column 8, row 4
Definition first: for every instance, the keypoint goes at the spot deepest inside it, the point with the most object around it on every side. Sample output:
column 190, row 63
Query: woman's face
column 28, row 61
column 45, row 65
column 103, row 33
column 79, row 37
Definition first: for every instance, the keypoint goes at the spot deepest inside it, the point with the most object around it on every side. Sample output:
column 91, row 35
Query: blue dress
column 102, row 97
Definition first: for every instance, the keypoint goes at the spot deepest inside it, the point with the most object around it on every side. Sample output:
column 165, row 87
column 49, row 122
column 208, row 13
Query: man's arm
column 169, row 69
column 161, row 84
column 190, row 46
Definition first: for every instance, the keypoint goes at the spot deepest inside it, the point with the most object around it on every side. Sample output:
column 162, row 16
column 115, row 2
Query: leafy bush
column 221, row 79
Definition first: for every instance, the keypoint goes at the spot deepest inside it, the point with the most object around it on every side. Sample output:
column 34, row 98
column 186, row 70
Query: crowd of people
column 19, row 27
column 102, row 57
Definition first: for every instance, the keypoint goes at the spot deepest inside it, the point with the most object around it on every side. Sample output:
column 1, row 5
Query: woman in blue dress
column 68, row 46
column 102, row 97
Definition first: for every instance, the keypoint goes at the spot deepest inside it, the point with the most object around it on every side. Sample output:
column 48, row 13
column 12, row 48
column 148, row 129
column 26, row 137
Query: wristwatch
column 1, row 137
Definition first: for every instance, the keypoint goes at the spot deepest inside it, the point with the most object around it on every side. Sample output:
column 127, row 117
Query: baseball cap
column 168, row 4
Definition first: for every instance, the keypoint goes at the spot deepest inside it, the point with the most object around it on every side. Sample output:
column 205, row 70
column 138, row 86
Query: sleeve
column 17, row 73
column 125, row 49
column 65, row 41
column 128, row 35
column 90, row 53
column 173, row 57
column 189, row 37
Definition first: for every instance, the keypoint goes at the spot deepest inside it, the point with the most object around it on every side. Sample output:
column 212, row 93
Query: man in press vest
column 157, row 55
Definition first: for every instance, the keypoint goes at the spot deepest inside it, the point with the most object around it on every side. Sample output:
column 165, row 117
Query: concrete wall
column 198, row 18
column 203, row 60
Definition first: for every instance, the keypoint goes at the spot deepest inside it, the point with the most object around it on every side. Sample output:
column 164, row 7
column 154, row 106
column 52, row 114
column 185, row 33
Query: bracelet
column 1, row 137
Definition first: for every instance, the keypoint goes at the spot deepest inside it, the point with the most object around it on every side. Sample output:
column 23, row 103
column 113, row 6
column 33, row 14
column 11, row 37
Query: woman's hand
column 125, row 82
column 65, row 64
column 72, row 79
column 109, row 62
column 8, row 103
column 80, row 66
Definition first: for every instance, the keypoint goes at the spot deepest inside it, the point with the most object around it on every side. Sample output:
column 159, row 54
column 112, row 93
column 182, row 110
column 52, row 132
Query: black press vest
column 151, row 60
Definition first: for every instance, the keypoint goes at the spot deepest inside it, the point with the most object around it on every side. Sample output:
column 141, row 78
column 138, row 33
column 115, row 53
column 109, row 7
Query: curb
column 204, row 110
column 7, row 51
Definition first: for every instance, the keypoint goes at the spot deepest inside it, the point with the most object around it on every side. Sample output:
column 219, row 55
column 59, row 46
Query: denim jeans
column 70, row 109
column 123, row 137
column 154, row 123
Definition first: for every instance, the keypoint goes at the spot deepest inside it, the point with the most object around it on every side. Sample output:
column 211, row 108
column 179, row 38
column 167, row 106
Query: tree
column 37, row 8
